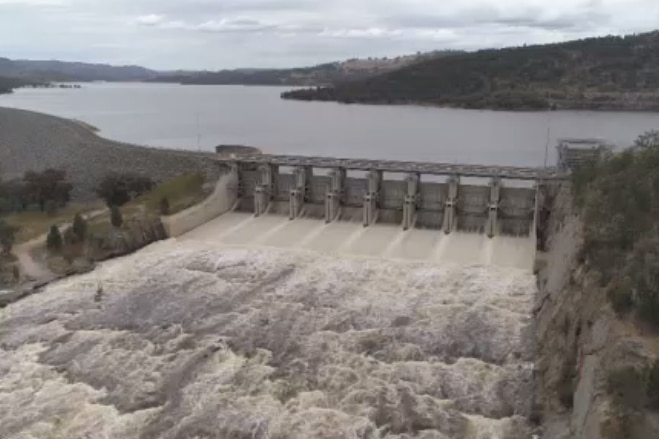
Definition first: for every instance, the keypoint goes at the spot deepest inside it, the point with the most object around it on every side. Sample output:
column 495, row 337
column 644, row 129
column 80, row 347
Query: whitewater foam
column 198, row 338
column 379, row 240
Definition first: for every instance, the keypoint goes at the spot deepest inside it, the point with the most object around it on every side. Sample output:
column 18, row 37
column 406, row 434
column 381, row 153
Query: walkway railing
column 508, row 172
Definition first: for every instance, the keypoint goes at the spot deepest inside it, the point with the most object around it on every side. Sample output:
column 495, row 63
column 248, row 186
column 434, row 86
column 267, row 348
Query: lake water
column 192, row 117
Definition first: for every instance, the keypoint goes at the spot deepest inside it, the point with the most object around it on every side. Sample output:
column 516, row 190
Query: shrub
column 115, row 217
column 7, row 236
column 6, row 205
column 627, row 386
column 79, row 227
column 621, row 299
column 164, row 206
column 619, row 201
column 653, row 386
column 117, row 189
column 635, row 387
column 15, row 195
column 46, row 186
column 566, row 384
column 51, row 207
column 54, row 239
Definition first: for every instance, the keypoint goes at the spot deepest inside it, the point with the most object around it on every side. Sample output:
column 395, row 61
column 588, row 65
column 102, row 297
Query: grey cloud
column 203, row 9
column 220, row 26
column 214, row 34
column 528, row 17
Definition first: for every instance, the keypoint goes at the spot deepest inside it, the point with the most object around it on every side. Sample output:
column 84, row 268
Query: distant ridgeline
column 322, row 74
column 608, row 73
column 7, row 85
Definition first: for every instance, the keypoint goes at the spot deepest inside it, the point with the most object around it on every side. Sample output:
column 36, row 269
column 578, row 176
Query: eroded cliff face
column 582, row 342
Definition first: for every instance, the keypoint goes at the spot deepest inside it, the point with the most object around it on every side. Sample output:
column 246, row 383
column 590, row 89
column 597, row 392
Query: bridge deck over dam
column 465, row 170
column 429, row 211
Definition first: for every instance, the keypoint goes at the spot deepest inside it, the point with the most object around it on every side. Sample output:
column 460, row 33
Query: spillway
column 270, row 321
column 379, row 241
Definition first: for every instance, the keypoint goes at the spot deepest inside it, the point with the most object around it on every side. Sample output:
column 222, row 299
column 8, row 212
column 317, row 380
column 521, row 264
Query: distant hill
column 323, row 74
column 609, row 73
column 8, row 84
column 72, row 71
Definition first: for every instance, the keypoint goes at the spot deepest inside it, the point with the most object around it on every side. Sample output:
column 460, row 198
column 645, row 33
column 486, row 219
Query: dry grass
column 181, row 192
column 33, row 223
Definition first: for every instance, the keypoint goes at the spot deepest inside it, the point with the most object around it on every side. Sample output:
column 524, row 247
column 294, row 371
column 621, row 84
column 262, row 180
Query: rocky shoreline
column 35, row 141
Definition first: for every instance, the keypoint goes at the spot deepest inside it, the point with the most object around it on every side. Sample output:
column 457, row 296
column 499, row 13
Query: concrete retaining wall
column 220, row 201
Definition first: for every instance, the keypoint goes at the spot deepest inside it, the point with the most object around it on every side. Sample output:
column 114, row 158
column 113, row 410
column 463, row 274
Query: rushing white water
column 388, row 241
column 207, row 337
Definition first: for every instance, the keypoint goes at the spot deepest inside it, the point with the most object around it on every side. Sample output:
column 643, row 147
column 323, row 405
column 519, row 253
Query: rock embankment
column 582, row 342
column 34, row 141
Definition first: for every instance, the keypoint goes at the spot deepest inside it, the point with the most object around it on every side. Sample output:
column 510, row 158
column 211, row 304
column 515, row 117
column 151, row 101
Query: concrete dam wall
column 403, row 198
column 219, row 202
column 398, row 210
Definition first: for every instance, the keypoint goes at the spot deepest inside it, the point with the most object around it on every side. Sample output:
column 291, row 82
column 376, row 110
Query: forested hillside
column 595, row 73
column 322, row 74
column 47, row 71
column 8, row 84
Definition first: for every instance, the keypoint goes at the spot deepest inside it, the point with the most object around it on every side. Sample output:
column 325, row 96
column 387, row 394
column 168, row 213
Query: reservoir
column 201, row 117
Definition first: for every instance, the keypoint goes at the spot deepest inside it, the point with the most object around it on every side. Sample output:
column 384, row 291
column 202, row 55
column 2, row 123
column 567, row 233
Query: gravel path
column 34, row 141
column 29, row 267
column 36, row 270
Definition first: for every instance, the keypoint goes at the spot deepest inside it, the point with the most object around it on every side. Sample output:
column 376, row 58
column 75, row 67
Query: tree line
column 584, row 73
column 49, row 190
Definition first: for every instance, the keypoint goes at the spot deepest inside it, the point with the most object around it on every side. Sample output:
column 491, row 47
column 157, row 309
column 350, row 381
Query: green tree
column 116, row 189
column 115, row 217
column 51, row 207
column 648, row 141
column 7, row 236
column 54, row 239
column 49, row 185
column 79, row 227
column 15, row 194
column 619, row 202
column 164, row 206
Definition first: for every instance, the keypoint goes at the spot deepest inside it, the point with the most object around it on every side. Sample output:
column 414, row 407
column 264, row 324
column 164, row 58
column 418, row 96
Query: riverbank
column 32, row 141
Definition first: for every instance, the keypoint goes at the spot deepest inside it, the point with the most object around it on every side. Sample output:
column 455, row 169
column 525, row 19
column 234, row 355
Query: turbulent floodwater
column 192, row 339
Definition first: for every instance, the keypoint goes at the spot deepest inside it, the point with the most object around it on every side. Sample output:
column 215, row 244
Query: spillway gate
column 411, row 194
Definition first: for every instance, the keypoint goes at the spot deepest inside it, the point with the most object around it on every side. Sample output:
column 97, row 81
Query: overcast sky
column 216, row 34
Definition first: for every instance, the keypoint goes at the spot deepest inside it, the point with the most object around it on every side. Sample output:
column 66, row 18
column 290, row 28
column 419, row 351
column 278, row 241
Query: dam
column 392, row 305
column 444, row 213
column 304, row 298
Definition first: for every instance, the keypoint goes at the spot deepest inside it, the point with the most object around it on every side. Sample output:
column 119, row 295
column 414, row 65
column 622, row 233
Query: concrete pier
column 335, row 194
column 493, row 207
column 449, row 206
column 265, row 188
column 411, row 200
column 302, row 177
column 372, row 197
